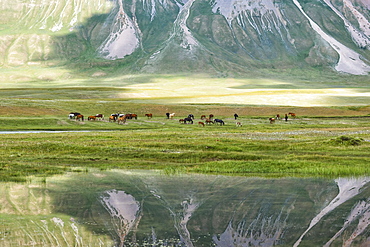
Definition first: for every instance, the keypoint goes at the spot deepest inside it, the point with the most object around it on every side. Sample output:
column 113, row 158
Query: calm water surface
column 147, row 208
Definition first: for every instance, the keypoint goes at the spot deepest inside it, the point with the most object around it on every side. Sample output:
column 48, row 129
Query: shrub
column 346, row 140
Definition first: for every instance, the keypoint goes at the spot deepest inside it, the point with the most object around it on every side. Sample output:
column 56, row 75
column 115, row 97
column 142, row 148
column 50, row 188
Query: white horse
column 172, row 115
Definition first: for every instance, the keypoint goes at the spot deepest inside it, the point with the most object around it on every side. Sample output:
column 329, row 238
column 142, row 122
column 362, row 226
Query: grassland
column 321, row 141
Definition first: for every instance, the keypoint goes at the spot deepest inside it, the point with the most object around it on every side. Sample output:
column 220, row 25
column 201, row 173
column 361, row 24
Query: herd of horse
column 121, row 118
column 272, row 119
column 207, row 120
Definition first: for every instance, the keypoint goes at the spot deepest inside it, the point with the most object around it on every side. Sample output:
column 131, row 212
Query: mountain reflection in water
column 147, row 208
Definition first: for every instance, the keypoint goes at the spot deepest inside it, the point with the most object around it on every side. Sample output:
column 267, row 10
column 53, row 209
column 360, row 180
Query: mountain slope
column 218, row 37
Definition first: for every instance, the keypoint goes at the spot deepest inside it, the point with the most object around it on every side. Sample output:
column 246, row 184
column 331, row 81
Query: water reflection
column 143, row 208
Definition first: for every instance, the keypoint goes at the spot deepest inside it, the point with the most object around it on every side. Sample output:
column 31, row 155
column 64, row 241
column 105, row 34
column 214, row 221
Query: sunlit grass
column 167, row 145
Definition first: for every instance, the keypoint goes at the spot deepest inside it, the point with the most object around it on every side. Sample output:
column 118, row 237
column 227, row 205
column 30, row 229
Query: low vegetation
column 318, row 142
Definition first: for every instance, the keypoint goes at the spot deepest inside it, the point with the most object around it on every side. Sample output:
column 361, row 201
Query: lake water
column 147, row 208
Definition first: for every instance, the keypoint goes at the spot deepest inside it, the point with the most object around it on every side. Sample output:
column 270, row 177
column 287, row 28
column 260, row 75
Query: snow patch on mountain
column 360, row 36
column 150, row 6
column 231, row 9
column 349, row 61
column 123, row 38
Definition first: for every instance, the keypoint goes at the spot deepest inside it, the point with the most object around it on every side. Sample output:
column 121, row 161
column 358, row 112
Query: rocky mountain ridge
column 213, row 36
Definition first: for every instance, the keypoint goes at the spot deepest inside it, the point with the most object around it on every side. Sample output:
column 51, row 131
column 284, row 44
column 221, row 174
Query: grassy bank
column 319, row 142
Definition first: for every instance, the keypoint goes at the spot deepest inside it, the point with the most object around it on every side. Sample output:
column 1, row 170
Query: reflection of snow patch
column 262, row 231
column 121, row 205
column 59, row 222
column 348, row 188
column 360, row 212
column 124, row 210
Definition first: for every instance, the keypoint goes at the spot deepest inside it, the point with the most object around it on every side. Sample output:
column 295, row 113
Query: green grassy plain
column 321, row 141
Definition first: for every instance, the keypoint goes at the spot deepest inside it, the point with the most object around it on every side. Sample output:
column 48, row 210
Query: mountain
column 218, row 37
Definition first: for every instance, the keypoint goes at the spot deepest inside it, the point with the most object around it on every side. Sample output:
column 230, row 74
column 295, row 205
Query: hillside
column 215, row 36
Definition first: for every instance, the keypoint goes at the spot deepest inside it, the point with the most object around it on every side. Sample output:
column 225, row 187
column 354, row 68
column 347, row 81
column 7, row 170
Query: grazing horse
column 292, row 114
column 208, row 121
column 188, row 119
column 219, row 121
column 73, row 115
column 171, row 115
column 80, row 117
column 101, row 116
column 203, row 117
column 272, row 120
column 211, row 116
column 112, row 118
column 181, row 120
column 91, row 118
column 149, row 115
column 238, row 124
column 201, row 124
column 122, row 119
column 131, row 116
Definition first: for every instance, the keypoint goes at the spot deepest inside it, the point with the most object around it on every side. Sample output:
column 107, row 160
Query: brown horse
column 122, row 120
column 131, row 116
column 101, row 116
column 91, row 118
column 211, row 116
column 203, row 117
column 272, row 120
column 292, row 114
column 181, row 120
column 149, row 115
column 238, row 124
column 80, row 117
column 201, row 124
column 112, row 118
column 209, row 121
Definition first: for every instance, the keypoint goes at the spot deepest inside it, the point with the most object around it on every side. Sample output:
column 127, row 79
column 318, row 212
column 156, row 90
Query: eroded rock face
column 186, row 35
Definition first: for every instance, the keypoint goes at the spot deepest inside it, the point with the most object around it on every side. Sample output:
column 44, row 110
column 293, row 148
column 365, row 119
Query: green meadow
column 320, row 141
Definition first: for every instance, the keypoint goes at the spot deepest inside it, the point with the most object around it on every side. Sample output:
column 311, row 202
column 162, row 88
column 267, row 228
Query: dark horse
column 219, row 121
column 73, row 115
column 188, row 119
